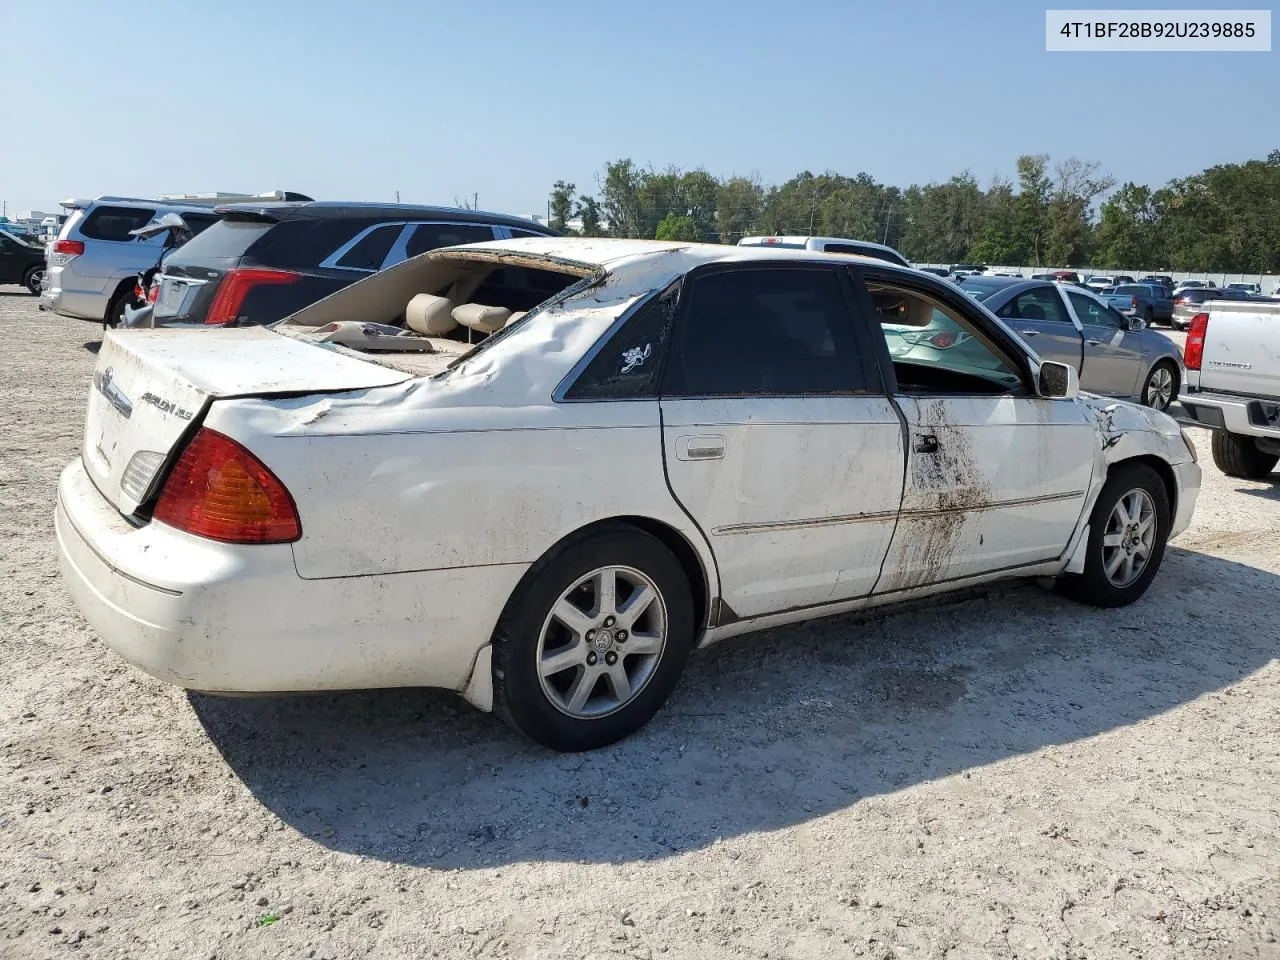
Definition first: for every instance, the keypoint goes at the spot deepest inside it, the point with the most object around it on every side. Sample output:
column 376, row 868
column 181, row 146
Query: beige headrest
column 430, row 315
column 479, row 317
column 519, row 314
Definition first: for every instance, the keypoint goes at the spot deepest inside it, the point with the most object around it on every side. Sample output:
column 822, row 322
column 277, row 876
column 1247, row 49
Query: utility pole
column 397, row 196
column 475, row 201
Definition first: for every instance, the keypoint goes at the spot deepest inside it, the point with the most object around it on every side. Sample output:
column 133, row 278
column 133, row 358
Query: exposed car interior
column 431, row 303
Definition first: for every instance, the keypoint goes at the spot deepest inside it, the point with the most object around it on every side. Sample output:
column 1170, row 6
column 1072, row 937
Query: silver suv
column 95, row 260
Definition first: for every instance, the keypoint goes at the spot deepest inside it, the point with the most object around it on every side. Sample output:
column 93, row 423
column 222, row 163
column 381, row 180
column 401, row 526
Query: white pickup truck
column 1232, row 358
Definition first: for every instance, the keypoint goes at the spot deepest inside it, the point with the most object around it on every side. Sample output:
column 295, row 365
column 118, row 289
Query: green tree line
column 1069, row 213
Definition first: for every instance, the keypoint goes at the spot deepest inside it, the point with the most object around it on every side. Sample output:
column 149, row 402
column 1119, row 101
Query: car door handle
column 700, row 448
column 926, row 443
column 1029, row 333
column 1094, row 343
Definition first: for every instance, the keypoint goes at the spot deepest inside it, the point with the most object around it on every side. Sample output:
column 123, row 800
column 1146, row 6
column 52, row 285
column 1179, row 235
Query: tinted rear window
column 200, row 222
column 114, row 223
column 224, row 240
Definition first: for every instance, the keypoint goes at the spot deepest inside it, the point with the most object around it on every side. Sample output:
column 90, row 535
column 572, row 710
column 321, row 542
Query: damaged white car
column 649, row 447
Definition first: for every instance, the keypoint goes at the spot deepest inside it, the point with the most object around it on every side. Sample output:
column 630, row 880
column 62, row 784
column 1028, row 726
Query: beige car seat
column 481, row 318
column 430, row 315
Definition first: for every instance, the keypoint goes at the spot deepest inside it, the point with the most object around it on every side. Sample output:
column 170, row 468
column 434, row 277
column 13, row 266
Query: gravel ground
column 1001, row 775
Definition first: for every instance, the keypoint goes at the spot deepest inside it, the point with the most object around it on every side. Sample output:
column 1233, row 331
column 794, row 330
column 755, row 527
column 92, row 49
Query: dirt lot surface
column 1003, row 775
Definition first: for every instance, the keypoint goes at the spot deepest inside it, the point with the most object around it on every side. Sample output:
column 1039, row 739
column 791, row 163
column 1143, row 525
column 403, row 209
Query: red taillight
column 1134, row 303
column 1193, row 353
column 943, row 340
column 1178, row 300
column 235, row 287
column 153, row 293
column 74, row 247
column 219, row 490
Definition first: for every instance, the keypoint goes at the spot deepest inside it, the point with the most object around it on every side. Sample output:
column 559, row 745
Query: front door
column 996, row 476
column 1112, row 355
column 779, row 439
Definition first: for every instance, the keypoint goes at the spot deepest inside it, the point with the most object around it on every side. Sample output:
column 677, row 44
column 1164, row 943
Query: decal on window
column 635, row 357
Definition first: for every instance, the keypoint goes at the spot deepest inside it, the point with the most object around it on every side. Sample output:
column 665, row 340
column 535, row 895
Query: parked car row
column 248, row 263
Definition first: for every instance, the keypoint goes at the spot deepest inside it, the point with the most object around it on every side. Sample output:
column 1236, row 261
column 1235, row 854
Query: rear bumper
column 60, row 294
column 1239, row 415
column 238, row 619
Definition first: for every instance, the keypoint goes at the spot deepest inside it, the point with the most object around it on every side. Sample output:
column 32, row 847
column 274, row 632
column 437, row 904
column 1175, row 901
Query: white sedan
column 539, row 472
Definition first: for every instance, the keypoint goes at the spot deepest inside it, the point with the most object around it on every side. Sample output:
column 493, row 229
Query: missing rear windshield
column 555, row 288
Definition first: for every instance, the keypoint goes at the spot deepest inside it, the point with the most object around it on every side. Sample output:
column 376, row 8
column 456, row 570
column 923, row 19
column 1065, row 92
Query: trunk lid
column 151, row 388
column 1240, row 349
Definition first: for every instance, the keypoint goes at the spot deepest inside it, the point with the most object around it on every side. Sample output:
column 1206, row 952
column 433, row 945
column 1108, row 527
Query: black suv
column 262, row 262
column 21, row 262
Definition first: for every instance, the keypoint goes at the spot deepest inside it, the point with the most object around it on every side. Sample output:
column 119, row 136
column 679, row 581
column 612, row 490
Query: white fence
column 1268, row 281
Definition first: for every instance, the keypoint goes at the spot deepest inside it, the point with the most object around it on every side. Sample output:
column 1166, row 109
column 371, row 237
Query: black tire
column 518, row 695
column 114, row 317
column 1093, row 586
column 1238, row 456
column 1149, row 318
column 31, row 280
column 1146, row 395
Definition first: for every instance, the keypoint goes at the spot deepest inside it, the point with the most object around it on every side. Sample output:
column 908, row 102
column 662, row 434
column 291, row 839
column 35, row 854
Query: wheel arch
column 674, row 540
column 1163, row 471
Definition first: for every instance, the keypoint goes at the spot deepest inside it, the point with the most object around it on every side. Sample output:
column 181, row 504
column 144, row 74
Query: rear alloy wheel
column 593, row 641
column 1161, row 388
column 1128, row 531
column 33, row 280
column 1238, row 456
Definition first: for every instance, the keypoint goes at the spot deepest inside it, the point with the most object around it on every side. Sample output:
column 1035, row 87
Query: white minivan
column 861, row 248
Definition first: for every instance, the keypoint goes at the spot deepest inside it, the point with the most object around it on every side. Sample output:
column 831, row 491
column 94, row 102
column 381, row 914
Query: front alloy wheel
column 1128, row 530
column 1160, row 388
column 33, row 281
column 1129, row 540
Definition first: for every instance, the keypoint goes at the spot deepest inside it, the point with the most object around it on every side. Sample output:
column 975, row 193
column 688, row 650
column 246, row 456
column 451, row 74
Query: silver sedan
column 1114, row 354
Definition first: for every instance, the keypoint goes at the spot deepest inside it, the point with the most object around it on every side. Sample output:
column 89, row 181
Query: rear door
column 1112, row 354
column 780, row 441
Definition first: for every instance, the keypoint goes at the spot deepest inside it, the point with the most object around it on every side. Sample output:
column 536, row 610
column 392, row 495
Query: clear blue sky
column 347, row 100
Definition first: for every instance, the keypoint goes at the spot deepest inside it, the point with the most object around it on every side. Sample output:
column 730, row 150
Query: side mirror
column 1057, row 381
column 1137, row 323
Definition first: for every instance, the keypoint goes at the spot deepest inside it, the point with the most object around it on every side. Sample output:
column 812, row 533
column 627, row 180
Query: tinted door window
column 1042, row 303
column 114, row 223
column 371, row 249
column 517, row 233
column 766, row 333
column 431, row 236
